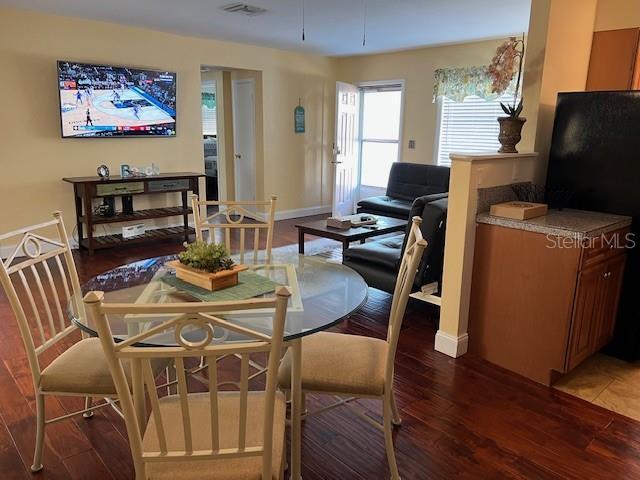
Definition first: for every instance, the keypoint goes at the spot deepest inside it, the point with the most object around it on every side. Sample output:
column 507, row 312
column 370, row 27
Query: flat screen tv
column 111, row 101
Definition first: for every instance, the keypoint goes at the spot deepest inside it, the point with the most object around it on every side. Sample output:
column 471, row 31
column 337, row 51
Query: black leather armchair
column 378, row 261
column 408, row 181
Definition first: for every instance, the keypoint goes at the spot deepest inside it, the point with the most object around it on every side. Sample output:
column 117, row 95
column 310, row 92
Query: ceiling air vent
column 243, row 8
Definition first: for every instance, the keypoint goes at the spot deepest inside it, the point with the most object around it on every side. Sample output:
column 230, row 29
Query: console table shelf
column 87, row 189
column 142, row 215
column 107, row 241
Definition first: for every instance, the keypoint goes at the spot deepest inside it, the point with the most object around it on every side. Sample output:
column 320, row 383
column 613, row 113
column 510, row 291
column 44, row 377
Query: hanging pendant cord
column 303, row 20
column 364, row 24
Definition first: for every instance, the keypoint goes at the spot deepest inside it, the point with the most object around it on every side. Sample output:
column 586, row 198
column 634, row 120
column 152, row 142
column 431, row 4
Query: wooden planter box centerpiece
column 206, row 266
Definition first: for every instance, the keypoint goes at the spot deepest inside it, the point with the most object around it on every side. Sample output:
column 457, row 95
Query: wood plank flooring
column 462, row 418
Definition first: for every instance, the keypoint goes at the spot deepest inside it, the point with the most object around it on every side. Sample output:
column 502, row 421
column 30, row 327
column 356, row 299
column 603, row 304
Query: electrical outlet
column 412, row 144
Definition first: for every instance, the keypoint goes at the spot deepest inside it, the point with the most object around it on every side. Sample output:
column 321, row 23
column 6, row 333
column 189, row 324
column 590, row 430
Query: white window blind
column 209, row 116
column 470, row 126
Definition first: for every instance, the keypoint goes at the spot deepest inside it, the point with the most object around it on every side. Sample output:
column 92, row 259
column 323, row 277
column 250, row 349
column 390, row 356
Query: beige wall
column 416, row 68
column 617, row 14
column 569, row 33
column 35, row 158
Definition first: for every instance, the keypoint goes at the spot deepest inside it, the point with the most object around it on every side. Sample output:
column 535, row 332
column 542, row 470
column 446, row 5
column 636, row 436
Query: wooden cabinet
column 541, row 306
column 615, row 60
column 586, row 315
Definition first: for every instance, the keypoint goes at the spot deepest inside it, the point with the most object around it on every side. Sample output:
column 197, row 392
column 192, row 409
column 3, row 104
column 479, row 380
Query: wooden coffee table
column 319, row 229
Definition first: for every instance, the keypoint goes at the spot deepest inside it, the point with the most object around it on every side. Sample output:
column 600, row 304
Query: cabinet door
column 613, row 58
column 611, row 285
column 586, row 312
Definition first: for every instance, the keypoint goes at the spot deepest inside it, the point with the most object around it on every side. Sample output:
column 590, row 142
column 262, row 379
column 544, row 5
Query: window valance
column 458, row 83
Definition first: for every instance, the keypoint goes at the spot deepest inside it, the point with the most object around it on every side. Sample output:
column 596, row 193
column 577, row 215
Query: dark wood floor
column 462, row 418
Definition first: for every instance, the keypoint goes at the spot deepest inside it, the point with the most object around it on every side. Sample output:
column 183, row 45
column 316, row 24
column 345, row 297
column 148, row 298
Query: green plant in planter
column 210, row 257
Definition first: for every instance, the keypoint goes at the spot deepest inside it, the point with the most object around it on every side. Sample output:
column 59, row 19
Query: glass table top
column 323, row 294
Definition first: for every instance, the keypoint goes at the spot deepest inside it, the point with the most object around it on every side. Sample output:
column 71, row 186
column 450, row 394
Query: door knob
column 237, row 155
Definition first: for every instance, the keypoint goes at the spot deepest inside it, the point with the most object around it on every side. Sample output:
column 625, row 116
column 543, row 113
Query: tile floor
column 608, row 382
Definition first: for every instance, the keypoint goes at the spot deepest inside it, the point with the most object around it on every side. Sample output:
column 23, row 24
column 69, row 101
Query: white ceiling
column 333, row 27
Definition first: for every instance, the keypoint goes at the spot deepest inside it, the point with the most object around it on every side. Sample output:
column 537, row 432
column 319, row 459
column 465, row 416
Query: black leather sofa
column 407, row 181
column 378, row 261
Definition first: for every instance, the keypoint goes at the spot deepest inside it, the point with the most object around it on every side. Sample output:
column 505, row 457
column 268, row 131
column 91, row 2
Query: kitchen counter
column 578, row 224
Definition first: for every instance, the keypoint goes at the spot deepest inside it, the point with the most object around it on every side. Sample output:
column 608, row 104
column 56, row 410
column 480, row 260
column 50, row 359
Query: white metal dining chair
column 230, row 435
column 41, row 281
column 252, row 220
column 353, row 366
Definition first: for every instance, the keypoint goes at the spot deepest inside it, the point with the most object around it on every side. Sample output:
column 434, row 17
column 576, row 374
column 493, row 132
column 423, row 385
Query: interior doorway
column 209, row 99
column 232, row 123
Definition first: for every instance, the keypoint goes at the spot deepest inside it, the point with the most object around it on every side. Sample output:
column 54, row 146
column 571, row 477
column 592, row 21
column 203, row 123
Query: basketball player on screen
column 78, row 97
column 136, row 110
column 89, row 121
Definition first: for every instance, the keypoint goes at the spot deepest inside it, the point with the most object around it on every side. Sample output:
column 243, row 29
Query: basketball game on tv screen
column 107, row 101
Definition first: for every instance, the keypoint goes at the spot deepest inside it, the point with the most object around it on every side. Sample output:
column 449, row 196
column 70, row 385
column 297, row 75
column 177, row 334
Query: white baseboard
column 451, row 345
column 303, row 212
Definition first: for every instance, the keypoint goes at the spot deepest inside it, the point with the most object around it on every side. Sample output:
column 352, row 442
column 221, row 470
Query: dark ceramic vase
column 510, row 133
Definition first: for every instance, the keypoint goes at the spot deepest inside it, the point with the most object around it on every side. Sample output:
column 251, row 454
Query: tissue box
column 136, row 230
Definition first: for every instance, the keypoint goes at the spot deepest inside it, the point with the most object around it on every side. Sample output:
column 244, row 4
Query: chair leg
column 87, row 405
column 396, row 420
column 37, row 456
column 388, row 436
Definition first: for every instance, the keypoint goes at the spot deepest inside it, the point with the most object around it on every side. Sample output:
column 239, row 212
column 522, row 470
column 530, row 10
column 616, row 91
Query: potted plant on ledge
column 502, row 70
column 207, row 265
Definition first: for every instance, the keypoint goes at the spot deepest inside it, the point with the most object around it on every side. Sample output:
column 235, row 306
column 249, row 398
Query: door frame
column 253, row 147
column 378, row 83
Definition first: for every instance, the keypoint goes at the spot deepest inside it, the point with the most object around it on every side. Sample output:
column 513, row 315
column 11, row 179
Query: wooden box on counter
column 541, row 304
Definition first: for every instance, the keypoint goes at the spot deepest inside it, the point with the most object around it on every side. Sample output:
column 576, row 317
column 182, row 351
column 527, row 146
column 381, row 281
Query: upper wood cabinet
column 615, row 60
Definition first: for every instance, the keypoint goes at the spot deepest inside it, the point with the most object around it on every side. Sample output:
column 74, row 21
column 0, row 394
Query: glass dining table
column 323, row 293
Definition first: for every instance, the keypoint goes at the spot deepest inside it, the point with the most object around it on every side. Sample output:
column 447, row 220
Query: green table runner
column 250, row 285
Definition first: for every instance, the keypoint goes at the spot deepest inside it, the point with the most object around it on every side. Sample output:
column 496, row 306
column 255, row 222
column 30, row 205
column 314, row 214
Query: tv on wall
column 111, row 101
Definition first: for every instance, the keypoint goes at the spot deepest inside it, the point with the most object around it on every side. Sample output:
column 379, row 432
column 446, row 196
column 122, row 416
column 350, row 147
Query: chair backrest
column 188, row 318
column 255, row 217
column 434, row 216
column 40, row 280
column 404, row 284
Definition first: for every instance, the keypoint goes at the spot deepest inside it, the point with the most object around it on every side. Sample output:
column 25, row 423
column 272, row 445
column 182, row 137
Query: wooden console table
column 86, row 189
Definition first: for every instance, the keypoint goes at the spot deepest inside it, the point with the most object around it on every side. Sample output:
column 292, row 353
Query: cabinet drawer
column 605, row 246
column 108, row 189
column 168, row 185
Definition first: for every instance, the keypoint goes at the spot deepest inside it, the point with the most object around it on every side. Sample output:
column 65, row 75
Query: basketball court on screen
column 122, row 107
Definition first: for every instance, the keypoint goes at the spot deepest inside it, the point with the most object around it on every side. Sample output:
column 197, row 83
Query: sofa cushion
column 385, row 253
column 408, row 181
column 384, row 203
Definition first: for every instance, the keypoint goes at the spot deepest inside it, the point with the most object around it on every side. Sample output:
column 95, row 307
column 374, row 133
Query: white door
column 346, row 150
column 244, row 138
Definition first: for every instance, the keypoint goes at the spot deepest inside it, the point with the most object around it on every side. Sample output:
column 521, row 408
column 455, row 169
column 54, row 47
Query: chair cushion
column 247, row 468
column 384, row 252
column 396, row 206
column 83, row 368
column 339, row 363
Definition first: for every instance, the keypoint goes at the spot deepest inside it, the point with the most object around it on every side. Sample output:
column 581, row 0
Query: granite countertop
column 563, row 223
